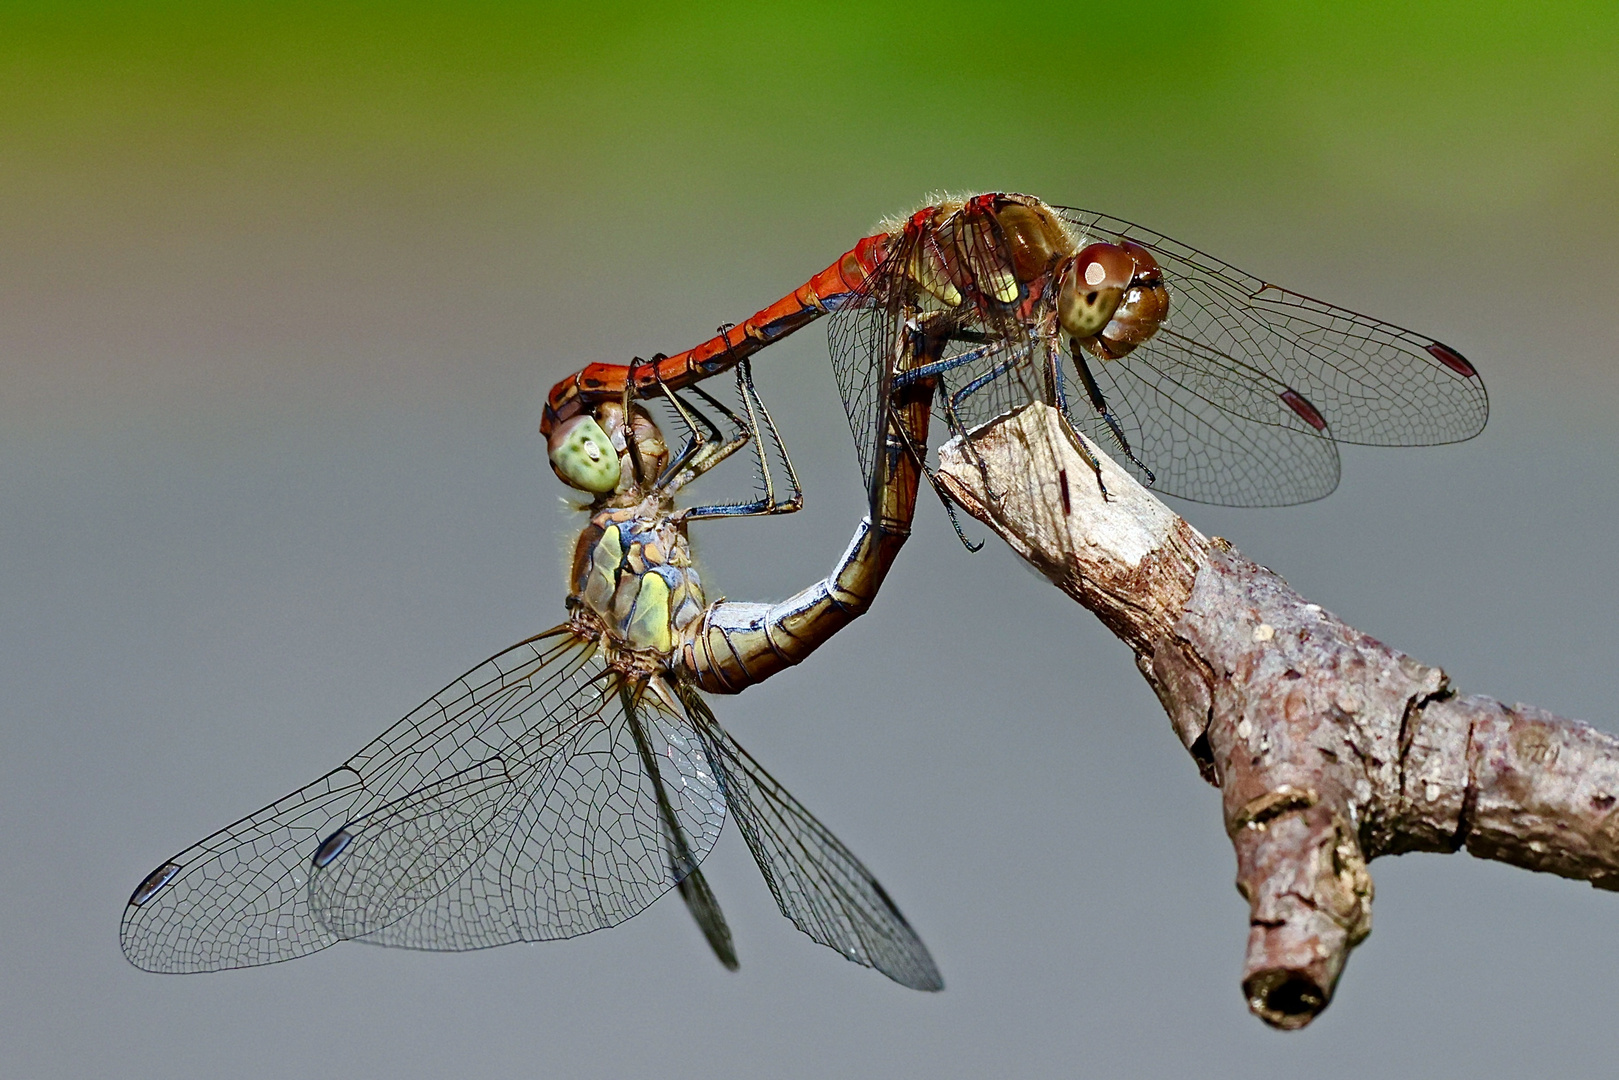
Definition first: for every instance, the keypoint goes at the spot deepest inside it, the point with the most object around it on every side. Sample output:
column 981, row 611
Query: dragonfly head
column 591, row 452
column 1111, row 298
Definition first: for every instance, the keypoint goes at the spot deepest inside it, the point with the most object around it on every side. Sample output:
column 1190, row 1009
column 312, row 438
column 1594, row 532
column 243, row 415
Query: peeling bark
column 1329, row 748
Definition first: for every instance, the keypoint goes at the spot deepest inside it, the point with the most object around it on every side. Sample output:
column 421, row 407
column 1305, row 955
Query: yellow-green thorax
column 633, row 569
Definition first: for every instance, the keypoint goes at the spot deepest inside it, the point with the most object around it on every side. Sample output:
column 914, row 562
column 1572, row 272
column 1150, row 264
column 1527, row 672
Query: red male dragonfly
column 1214, row 384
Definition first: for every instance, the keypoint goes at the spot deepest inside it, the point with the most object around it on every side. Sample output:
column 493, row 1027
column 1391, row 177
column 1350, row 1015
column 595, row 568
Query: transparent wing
column 818, row 883
column 682, row 858
column 862, row 336
column 1373, row 382
column 241, row 897
column 1208, row 428
column 555, row 837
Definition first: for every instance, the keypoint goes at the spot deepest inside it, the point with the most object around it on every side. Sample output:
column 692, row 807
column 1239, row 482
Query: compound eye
column 583, row 457
column 1084, row 307
column 1104, row 266
column 1146, row 266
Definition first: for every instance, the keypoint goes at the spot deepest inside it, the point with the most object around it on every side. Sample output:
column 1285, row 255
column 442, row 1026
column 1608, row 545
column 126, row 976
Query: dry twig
column 1329, row 747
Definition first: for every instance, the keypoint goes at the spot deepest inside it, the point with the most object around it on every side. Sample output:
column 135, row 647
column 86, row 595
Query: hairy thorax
column 634, row 582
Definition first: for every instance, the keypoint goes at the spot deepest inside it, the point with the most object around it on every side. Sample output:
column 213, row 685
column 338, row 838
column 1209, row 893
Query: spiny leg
column 755, row 409
column 953, row 406
column 700, row 430
column 952, row 410
column 1058, row 393
column 950, row 403
column 934, row 368
column 1099, row 403
column 699, row 454
column 931, row 370
column 754, row 405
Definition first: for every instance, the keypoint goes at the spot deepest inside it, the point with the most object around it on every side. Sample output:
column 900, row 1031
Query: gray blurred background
column 281, row 292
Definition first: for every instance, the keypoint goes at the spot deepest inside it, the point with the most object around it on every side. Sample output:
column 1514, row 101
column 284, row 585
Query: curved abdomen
column 736, row 645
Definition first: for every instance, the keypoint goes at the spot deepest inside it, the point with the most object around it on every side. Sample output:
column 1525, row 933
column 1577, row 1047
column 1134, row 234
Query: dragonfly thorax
column 632, row 570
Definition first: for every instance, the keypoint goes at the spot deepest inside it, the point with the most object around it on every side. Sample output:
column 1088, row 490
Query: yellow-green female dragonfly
column 567, row 782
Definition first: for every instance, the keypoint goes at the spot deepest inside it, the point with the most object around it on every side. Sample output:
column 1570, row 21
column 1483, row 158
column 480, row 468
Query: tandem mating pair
column 567, row 782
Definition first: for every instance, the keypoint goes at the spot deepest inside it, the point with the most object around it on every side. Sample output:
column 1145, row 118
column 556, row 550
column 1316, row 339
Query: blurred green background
column 403, row 164
column 282, row 288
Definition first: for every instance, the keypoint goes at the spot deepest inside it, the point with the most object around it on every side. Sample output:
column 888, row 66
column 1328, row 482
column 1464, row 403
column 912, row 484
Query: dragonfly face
column 591, row 452
column 1112, row 298
column 583, row 457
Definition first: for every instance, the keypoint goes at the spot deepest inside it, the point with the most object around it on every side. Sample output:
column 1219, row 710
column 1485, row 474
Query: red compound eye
column 1146, row 266
column 1104, row 266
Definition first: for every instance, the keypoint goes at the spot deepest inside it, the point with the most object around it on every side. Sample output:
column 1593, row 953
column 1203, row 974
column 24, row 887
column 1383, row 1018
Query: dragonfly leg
column 1099, row 403
column 933, row 369
column 758, row 425
column 704, row 446
column 953, row 406
column 631, row 443
column 736, row 645
column 700, row 452
column 951, row 403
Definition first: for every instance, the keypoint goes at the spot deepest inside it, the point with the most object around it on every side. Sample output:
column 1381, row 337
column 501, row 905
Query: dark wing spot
column 331, row 847
column 1452, row 359
column 1307, row 412
column 154, row 881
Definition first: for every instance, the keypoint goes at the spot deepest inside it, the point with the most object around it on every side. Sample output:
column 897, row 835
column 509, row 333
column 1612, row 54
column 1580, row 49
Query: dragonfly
column 567, row 782
column 1213, row 384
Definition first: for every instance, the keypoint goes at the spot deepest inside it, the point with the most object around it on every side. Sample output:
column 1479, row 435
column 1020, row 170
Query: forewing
column 241, row 896
column 817, row 881
column 1209, row 429
column 554, row 838
column 862, row 336
column 1373, row 382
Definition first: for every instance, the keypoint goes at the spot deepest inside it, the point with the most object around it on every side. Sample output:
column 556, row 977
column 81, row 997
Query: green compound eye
column 583, row 457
